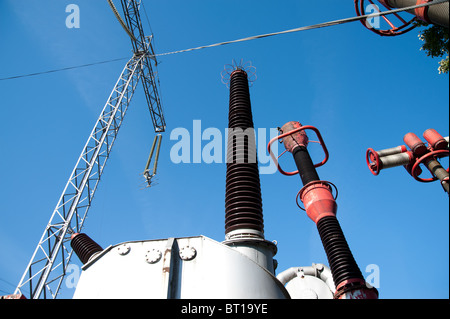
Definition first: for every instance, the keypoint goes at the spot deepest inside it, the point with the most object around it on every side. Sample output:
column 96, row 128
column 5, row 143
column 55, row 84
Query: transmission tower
column 45, row 272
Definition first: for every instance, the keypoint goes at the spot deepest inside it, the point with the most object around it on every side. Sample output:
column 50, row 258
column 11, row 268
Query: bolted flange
column 153, row 256
column 187, row 253
column 123, row 249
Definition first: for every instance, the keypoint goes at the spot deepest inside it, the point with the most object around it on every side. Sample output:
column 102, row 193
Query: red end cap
column 435, row 140
column 415, row 144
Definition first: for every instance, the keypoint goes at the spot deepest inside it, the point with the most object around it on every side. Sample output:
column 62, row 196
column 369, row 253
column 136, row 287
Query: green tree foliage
column 435, row 43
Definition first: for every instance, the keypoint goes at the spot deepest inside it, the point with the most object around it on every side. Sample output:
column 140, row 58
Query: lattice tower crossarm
column 143, row 44
column 47, row 267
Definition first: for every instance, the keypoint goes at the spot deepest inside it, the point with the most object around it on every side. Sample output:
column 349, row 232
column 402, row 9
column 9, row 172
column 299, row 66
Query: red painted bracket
column 373, row 161
column 302, row 128
column 420, row 161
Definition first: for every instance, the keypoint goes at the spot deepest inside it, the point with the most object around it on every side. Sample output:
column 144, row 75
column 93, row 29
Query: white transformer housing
column 186, row 268
column 197, row 268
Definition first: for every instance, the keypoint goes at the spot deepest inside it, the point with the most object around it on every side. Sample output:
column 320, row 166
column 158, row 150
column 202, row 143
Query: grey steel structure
column 46, row 270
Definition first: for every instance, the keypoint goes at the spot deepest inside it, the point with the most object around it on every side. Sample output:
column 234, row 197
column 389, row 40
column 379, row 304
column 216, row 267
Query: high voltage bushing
column 84, row 247
column 243, row 203
column 320, row 206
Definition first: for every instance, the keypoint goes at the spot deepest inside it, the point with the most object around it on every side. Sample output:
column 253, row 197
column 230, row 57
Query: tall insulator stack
column 244, row 224
column 243, row 204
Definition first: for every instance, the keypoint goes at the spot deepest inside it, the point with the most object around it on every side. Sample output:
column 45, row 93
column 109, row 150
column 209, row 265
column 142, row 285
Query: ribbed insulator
column 342, row 264
column 84, row 247
column 243, row 204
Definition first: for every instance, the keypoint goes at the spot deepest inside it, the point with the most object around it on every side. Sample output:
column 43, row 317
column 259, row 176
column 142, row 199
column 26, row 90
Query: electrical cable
column 62, row 69
column 310, row 27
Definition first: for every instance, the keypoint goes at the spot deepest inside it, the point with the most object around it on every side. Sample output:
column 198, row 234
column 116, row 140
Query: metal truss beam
column 142, row 44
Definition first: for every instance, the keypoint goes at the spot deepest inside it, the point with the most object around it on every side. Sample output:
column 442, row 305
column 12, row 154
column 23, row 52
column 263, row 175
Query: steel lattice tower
column 45, row 272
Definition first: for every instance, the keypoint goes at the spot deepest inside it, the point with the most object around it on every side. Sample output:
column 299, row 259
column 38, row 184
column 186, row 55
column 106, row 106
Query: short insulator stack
column 243, row 204
column 84, row 247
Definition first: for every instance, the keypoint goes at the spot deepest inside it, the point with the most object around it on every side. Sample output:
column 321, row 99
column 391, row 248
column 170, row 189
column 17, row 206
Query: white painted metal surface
column 312, row 282
column 187, row 268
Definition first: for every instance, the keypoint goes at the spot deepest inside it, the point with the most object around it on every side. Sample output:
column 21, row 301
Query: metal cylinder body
column 243, row 203
column 436, row 14
column 396, row 160
column 392, row 150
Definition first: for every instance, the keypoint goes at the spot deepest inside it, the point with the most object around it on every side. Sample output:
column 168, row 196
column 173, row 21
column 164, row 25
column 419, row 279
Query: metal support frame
column 47, row 268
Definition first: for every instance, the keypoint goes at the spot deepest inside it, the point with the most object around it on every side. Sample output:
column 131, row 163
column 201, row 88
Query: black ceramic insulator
column 243, row 204
column 342, row 264
column 84, row 247
column 305, row 165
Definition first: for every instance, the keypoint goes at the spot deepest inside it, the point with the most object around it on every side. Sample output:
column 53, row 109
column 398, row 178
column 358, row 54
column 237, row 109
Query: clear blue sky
column 359, row 89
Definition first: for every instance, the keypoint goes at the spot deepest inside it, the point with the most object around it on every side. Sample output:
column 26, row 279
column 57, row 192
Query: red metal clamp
column 420, row 161
column 373, row 161
column 301, row 128
column 406, row 26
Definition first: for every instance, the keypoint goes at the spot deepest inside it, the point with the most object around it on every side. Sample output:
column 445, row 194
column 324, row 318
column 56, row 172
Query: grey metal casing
column 180, row 268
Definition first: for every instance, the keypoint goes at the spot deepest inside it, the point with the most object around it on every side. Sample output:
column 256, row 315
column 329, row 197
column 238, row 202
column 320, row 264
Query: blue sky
column 358, row 89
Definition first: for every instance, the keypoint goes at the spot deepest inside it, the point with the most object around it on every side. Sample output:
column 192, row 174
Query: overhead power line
column 305, row 28
column 61, row 69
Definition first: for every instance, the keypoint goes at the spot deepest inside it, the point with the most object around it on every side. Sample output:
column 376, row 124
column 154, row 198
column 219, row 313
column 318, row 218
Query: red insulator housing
column 318, row 200
column 415, row 144
column 435, row 140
